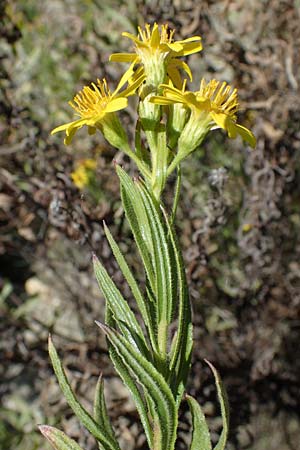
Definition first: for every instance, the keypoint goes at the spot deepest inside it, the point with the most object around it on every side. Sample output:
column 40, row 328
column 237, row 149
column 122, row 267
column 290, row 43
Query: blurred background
column 239, row 218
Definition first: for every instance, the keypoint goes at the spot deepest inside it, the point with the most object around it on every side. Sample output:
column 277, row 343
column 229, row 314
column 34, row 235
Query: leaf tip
column 207, row 362
column 50, row 342
column 45, row 430
column 103, row 327
column 211, row 366
column 99, row 324
column 95, row 261
column 100, row 378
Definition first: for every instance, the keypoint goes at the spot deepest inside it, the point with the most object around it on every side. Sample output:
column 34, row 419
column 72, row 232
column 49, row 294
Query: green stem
column 140, row 150
column 178, row 158
column 176, row 196
column 140, row 164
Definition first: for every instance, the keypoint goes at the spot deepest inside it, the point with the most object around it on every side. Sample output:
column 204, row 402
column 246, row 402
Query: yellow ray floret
column 214, row 106
column 155, row 49
column 95, row 104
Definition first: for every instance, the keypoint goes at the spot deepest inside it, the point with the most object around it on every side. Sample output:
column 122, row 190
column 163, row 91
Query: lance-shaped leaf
column 182, row 344
column 100, row 411
column 138, row 399
column 164, row 272
column 222, row 396
column 58, row 439
column 138, row 221
column 85, row 418
column 130, row 382
column 154, row 385
column 122, row 313
column 200, row 433
column 142, row 304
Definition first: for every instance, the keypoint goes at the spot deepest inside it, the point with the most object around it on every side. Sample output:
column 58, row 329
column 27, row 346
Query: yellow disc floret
column 214, row 106
column 92, row 101
column 96, row 107
column 221, row 96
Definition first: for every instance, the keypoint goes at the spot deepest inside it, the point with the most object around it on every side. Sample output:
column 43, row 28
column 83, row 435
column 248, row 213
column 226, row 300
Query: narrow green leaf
column 123, row 315
column 130, row 382
column 164, row 273
column 142, row 304
column 200, row 433
column 137, row 206
column 138, row 221
column 183, row 341
column 100, row 411
column 222, row 396
column 58, row 439
column 154, row 385
column 85, row 418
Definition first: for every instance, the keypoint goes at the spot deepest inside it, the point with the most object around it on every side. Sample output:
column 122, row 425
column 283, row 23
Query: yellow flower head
column 80, row 177
column 96, row 106
column 88, row 163
column 84, row 172
column 214, row 106
column 157, row 52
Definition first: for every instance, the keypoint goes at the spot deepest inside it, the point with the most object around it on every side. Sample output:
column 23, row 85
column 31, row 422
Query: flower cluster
column 155, row 76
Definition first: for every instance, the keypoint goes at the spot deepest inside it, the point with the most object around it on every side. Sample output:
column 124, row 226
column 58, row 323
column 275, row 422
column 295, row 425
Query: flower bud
column 150, row 114
column 193, row 133
column 113, row 131
column 177, row 117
